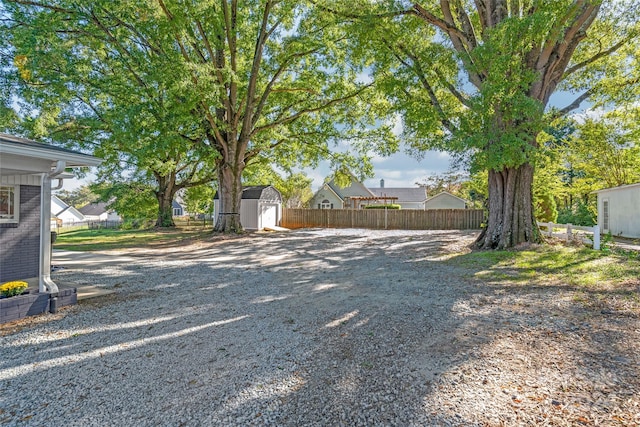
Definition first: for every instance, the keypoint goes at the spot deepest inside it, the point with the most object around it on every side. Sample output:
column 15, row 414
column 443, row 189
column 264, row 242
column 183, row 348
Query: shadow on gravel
column 331, row 327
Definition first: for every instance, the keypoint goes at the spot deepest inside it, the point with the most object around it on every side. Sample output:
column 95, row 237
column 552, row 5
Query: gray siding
column 444, row 201
column 325, row 194
column 20, row 243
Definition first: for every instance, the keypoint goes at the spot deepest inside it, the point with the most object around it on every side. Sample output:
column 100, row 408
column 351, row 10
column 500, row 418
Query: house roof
column 42, row 156
column 622, row 187
column 94, row 209
column 411, row 194
column 354, row 189
column 59, row 206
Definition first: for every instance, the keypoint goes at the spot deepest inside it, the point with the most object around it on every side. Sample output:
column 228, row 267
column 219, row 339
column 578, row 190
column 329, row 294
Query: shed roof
column 410, row 194
column 622, row 187
column 253, row 192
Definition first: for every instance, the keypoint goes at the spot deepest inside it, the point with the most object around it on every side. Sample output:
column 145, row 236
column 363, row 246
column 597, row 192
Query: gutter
column 45, row 284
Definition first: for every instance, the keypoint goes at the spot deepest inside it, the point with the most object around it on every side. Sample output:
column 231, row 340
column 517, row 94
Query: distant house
column 63, row 213
column 332, row 196
column 445, row 200
column 619, row 210
column 27, row 169
column 99, row 212
column 407, row 198
column 177, row 209
column 260, row 207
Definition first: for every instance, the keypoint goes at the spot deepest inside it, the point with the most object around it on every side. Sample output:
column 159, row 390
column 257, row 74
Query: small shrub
column 10, row 289
column 382, row 207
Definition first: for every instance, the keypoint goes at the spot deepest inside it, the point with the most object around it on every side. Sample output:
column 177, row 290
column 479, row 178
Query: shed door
column 268, row 216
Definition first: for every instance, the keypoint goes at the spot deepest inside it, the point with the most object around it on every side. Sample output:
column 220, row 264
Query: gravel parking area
column 318, row 328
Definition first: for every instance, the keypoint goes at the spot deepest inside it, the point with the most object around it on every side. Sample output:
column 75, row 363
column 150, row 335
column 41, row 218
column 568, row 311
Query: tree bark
column 165, row 194
column 511, row 220
column 165, row 212
column 230, row 193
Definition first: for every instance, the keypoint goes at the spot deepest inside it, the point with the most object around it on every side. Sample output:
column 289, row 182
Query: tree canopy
column 185, row 89
column 476, row 79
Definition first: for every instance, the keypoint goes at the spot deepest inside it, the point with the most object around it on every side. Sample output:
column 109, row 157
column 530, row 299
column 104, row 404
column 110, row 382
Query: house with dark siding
column 27, row 171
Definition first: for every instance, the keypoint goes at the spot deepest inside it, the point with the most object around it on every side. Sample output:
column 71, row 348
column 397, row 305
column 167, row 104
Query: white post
column 550, row 229
column 596, row 237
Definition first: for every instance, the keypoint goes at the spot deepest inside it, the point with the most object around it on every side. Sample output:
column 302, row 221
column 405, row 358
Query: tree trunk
column 511, row 220
column 230, row 194
column 165, row 211
column 165, row 194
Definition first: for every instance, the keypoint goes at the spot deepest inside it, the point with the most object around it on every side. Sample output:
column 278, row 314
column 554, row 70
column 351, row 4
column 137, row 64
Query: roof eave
column 72, row 159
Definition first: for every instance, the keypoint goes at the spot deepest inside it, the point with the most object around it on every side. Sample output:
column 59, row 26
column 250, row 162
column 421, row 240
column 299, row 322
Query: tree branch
column 309, row 110
column 595, row 57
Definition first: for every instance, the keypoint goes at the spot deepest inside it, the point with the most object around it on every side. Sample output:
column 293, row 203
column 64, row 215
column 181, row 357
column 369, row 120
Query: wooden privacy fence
column 403, row 219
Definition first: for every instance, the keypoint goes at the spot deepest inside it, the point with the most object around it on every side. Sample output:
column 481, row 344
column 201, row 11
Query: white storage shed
column 261, row 207
column 619, row 210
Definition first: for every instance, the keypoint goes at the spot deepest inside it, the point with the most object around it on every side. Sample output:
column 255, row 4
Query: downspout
column 45, row 284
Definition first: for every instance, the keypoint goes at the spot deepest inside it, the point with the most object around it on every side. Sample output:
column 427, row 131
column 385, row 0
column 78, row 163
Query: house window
column 9, row 203
column 605, row 215
column 326, row 204
column 177, row 212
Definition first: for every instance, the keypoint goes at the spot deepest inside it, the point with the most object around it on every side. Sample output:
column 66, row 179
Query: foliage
column 475, row 79
column 181, row 93
column 450, row 181
column 546, row 186
column 11, row 289
column 582, row 214
column 296, row 190
column 472, row 188
column 84, row 76
column 604, row 154
column 199, row 200
column 387, row 206
column 134, row 201
column 583, row 156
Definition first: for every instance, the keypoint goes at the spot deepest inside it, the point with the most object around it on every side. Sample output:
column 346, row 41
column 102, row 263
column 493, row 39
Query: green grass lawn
column 596, row 276
column 107, row 239
column 551, row 263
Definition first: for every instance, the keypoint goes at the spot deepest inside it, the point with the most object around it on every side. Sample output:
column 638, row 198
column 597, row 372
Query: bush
column 382, row 207
column 582, row 215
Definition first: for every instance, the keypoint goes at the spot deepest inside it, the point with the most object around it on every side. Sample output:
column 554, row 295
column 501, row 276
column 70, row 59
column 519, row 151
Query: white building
column 64, row 213
column 619, row 210
column 260, row 207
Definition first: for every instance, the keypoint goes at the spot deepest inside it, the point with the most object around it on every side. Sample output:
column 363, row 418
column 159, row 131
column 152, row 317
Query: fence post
column 596, row 237
column 569, row 234
column 385, row 218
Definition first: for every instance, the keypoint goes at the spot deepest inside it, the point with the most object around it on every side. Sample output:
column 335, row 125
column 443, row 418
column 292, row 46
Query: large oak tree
column 80, row 79
column 241, row 81
column 476, row 79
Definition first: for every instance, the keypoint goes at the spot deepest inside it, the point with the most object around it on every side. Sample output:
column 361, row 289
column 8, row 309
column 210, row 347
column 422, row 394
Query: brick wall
column 20, row 243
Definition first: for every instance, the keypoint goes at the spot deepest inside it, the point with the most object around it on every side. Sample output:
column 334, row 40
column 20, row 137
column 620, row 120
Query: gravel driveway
column 317, row 328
